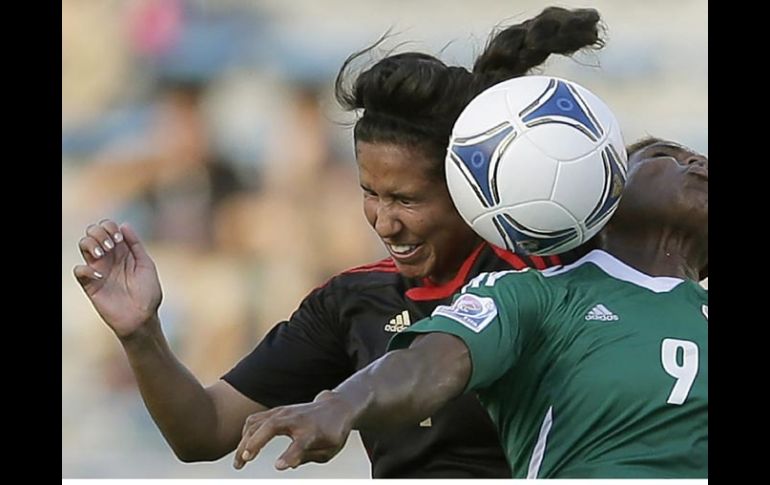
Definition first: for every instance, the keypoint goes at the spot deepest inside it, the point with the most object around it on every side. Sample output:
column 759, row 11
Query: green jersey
column 589, row 370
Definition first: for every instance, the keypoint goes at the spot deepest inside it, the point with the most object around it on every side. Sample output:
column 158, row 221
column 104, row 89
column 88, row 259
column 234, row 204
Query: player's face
column 409, row 207
column 667, row 183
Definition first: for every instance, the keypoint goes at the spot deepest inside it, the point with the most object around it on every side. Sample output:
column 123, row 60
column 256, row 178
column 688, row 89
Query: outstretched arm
column 120, row 279
column 402, row 387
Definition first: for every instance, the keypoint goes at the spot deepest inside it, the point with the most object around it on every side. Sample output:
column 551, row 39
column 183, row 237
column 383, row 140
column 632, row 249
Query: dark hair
column 413, row 99
column 642, row 144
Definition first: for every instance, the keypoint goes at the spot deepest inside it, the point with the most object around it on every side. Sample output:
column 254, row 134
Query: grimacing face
column 667, row 183
column 411, row 211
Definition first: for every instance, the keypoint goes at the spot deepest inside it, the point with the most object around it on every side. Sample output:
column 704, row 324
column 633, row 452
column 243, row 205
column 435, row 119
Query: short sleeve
column 298, row 358
column 494, row 316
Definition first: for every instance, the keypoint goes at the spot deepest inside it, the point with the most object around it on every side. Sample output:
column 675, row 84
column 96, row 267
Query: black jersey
column 346, row 324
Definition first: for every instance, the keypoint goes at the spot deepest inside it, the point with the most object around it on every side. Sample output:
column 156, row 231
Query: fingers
column 100, row 240
column 295, row 455
column 101, row 235
column 318, row 431
column 250, row 426
column 86, row 274
column 306, row 445
column 90, row 249
column 251, row 444
column 112, row 230
column 298, row 453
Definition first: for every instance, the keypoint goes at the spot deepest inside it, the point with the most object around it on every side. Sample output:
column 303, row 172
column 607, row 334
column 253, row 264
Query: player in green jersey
column 595, row 369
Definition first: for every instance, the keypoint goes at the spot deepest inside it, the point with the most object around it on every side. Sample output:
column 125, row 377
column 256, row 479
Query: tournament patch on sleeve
column 475, row 312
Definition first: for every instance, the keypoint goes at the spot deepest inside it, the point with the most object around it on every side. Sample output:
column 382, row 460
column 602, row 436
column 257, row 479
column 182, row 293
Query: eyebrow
column 395, row 193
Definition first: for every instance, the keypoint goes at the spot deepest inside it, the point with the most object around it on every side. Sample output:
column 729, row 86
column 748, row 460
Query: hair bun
column 410, row 85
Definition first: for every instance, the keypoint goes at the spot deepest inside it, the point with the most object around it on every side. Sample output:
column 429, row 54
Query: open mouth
column 403, row 251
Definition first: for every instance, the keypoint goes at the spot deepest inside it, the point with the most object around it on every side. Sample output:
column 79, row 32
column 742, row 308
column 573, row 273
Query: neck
column 441, row 278
column 666, row 254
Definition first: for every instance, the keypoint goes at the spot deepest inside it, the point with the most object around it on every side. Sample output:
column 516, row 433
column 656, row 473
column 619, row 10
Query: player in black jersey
column 410, row 102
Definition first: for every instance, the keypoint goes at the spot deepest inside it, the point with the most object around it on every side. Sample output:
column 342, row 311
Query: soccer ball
column 536, row 165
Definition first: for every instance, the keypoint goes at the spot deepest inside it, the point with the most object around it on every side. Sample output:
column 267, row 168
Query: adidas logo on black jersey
column 600, row 312
column 398, row 323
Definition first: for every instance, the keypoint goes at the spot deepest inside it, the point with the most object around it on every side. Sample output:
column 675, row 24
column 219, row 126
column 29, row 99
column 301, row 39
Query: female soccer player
column 409, row 102
column 595, row 369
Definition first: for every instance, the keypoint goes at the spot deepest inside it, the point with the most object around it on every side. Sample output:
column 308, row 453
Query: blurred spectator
column 173, row 190
column 306, row 223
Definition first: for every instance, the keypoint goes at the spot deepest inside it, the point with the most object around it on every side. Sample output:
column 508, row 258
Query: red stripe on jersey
column 384, row 266
column 519, row 263
column 538, row 261
column 514, row 259
column 431, row 291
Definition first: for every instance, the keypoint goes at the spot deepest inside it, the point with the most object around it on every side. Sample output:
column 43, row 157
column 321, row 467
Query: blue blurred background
column 210, row 126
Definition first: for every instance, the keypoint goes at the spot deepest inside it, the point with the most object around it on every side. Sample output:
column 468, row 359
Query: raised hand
column 119, row 277
column 318, row 431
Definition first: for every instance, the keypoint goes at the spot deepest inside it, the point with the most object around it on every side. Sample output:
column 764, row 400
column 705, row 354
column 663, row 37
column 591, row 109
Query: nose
column 387, row 223
column 697, row 160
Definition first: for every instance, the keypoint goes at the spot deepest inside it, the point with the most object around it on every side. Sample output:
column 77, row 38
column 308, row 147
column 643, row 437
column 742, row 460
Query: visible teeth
column 402, row 248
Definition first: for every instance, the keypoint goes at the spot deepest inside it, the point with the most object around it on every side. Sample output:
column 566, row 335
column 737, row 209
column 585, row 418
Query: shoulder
column 382, row 266
column 506, row 280
column 527, row 287
column 596, row 265
column 365, row 277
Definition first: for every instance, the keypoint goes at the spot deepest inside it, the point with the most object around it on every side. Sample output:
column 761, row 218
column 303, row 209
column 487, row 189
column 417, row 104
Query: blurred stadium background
column 210, row 126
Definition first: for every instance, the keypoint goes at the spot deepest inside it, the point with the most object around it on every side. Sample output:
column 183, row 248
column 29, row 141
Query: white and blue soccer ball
column 536, row 164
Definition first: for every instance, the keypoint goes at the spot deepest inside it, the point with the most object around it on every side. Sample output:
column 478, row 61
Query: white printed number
column 685, row 372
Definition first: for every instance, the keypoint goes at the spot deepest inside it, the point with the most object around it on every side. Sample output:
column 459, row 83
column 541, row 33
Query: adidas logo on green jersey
column 601, row 313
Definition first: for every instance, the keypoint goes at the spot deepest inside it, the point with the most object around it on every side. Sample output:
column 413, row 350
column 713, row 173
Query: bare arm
column 199, row 423
column 416, row 382
column 121, row 281
column 401, row 387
